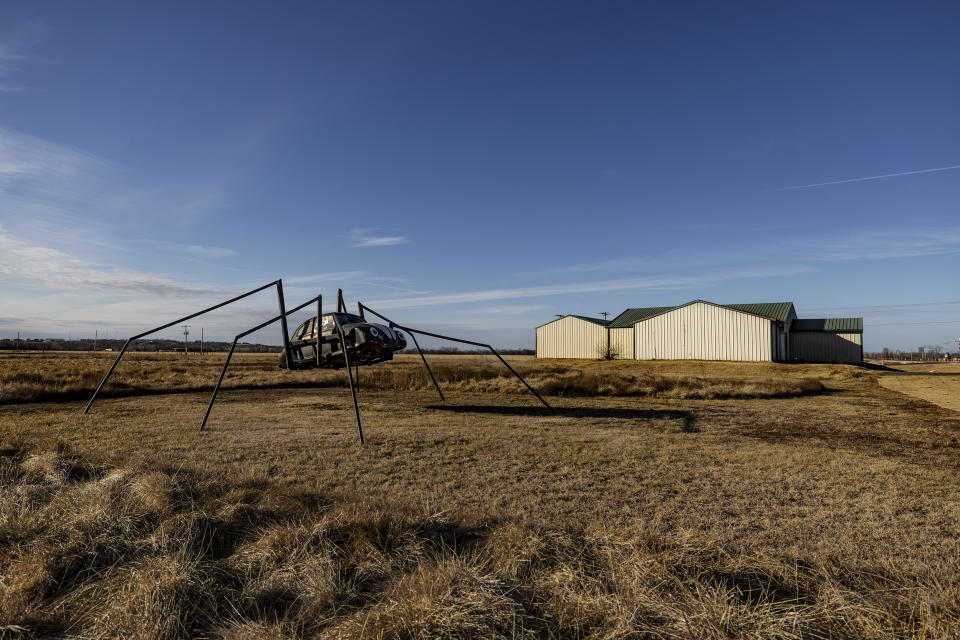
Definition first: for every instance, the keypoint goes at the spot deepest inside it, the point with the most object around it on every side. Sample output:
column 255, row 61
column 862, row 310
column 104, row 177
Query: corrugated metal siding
column 571, row 337
column 621, row 342
column 824, row 346
column 703, row 331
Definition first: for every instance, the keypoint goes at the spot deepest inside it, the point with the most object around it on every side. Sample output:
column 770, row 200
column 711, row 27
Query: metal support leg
column 276, row 283
column 283, row 326
column 226, row 363
column 424, row 358
column 112, row 367
column 353, row 391
column 477, row 344
column 223, row 372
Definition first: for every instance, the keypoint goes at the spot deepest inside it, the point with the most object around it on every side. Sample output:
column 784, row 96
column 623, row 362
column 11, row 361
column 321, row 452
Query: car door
column 304, row 341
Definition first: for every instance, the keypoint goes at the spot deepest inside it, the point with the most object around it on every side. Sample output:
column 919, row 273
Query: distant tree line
column 104, row 344
column 928, row 353
column 193, row 346
column 466, row 352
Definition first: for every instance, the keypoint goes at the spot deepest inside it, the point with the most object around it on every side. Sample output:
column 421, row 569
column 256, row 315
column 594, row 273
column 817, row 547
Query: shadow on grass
column 567, row 412
column 896, row 373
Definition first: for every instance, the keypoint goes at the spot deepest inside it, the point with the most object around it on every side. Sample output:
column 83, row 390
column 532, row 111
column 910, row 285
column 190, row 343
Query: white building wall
column 826, row 346
column 571, row 337
column 702, row 331
column 621, row 342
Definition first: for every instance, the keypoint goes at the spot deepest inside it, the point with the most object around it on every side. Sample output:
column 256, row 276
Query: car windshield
column 344, row 318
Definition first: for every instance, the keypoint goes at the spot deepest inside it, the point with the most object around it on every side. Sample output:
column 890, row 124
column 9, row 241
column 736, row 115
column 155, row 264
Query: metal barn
column 623, row 337
column 572, row 337
column 827, row 340
column 701, row 330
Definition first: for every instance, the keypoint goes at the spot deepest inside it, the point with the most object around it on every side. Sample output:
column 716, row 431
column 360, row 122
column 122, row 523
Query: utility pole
column 201, row 340
column 186, row 332
column 604, row 314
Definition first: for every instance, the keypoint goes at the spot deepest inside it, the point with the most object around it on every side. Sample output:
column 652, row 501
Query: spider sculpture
column 338, row 340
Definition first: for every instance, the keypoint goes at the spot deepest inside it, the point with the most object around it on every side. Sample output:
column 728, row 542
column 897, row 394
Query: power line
column 893, row 324
column 881, row 307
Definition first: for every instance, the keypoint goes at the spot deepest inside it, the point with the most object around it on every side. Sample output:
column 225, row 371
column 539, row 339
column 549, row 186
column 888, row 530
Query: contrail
column 886, row 175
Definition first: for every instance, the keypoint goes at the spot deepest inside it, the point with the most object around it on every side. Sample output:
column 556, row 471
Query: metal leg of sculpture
column 429, row 371
column 110, row 371
column 411, row 331
column 275, row 283
column 346, row 360
column 223, row 372
column 283, row 326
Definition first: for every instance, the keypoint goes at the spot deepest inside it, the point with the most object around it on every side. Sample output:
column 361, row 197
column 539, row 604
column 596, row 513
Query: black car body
column 366, row 342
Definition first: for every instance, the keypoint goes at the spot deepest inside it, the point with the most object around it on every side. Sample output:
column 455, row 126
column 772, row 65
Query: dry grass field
column 936, row 382
column 658, row 500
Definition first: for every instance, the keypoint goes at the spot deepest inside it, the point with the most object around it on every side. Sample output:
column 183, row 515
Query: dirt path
column 936, row 383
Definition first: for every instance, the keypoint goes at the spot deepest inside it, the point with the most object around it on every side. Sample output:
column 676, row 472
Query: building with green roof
column 703, row 330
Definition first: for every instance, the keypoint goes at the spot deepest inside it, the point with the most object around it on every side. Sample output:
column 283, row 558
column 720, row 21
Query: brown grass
column 105, row 552
column 825, row 515
column 67, row 377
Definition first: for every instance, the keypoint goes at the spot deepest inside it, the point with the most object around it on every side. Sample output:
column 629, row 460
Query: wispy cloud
column 193, row 250
column 341, row 278
column 510, row 309
column 876, row 245
column 61, row 190
column 869, row 244
column 652, row 283
column 867, row 178
column 26, row 159
column 56, row 269
column 364, row 238
column 14, row 51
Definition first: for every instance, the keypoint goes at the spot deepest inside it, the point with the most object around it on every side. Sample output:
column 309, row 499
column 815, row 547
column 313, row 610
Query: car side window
column 298, row 334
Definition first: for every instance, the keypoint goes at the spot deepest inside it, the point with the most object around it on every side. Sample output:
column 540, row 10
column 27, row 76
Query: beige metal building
column 827, row 340
column 572, row 337
column 702, row 330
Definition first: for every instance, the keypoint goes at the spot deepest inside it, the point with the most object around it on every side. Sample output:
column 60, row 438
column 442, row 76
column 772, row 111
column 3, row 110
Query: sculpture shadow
column 567, row 412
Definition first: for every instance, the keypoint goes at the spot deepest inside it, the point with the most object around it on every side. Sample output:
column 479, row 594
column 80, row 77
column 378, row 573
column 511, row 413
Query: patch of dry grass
column 664, row 515
column 145, row 554
column 65, row 377
column 612, row 384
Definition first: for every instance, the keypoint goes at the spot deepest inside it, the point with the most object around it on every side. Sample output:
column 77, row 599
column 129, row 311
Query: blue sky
column 478, row 167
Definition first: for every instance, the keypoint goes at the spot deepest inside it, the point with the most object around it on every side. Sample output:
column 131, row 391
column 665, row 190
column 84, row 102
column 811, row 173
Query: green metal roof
column 772, row 310
column 631, row 316
column 837, row 325
column 599, row 321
